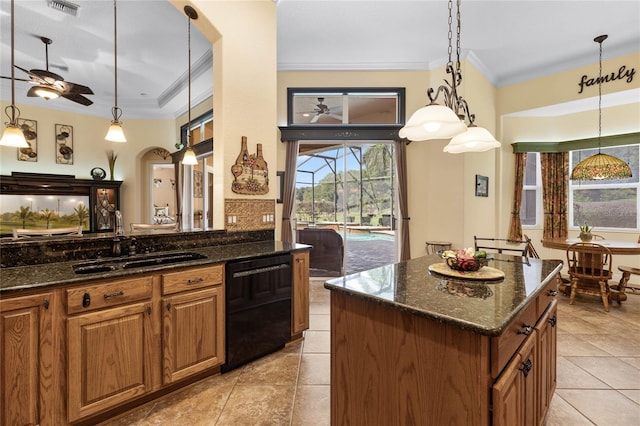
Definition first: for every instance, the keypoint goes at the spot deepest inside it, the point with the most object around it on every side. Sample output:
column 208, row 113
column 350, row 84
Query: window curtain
column 289, row 191
column 515, row 228
column 555, row 193
column 403, row 205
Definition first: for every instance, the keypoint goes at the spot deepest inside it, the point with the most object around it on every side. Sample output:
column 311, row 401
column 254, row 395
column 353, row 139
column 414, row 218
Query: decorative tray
column 486, row 273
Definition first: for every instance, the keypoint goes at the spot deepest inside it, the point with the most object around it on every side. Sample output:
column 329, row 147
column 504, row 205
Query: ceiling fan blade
column 315, row 118
column 77, row 98
column 77, row 89
column 46, row 75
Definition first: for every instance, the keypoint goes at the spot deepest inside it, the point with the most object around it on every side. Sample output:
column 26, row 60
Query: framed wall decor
column 30, row 131
column 64, row 144
column 482, row 186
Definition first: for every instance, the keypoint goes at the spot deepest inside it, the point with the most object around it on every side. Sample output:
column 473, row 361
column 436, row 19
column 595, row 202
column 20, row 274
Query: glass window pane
column 528, row 207
column 373, row 109
column 317, row 109
column 606, row 207
column 530, row 168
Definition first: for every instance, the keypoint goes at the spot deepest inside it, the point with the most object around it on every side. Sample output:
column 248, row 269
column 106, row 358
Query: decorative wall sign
column 482, row 186
column 30, row 131
column 250, row 172
column 64, row 144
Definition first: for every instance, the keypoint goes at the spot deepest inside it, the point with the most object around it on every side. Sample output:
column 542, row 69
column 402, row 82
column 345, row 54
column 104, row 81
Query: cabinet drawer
column 504, row 346
column 191, row 279
column 107, row 294
column 547, row 296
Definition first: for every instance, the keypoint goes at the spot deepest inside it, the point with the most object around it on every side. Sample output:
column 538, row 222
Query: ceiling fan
column 49, row 85
column 323, row 109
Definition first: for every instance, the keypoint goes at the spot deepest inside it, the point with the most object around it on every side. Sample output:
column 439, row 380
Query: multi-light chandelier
column 446, row 121
column 601, row 166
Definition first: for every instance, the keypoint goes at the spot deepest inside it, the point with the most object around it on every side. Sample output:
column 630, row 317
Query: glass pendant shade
column 601, row 166
column 13, row 136
column 475, row 139
column 115, row 133
column 432, row 122
column 189, row 157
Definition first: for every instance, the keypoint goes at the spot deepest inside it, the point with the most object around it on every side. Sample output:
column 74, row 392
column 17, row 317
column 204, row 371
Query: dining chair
column 28, row 233
column 618, row 293
column 589, row 267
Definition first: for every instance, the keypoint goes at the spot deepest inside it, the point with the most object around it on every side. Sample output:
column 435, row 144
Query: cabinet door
column 300, row 288
column 546, row 332
column 26, row 354
column 193, row 332
column 514, row 394
column 109, row 356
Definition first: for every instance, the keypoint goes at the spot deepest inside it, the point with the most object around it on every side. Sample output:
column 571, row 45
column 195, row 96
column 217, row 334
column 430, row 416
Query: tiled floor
column 598, row 376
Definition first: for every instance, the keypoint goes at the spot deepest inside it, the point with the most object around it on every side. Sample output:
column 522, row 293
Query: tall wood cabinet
column 26, row 354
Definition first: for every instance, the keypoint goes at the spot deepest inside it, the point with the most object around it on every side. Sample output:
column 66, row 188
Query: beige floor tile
column 614, row 372
column 317, row 342
column 312, row 406
column 319, row 308
column 635, row 361
column 573, row 345
column 562, row 414
column 632, row 394
column 279, row 368
column 319, row 322
column 258, row 405
column 570, row 376
column 603, row 407
column 315, row 369
column 616, row 345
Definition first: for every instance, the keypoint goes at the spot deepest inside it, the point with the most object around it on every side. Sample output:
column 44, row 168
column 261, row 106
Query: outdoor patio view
column 348, row 189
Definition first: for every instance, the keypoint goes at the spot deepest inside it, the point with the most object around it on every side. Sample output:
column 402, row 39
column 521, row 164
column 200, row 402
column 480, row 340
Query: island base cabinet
column 109, row 360
column 193, row 333
column 547, row 335
column 26, row 355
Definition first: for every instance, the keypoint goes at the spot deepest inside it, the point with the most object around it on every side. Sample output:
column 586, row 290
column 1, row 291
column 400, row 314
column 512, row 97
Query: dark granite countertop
column 61, row 273
column 485, row 307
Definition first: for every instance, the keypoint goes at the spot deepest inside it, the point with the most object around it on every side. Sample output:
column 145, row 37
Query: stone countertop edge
column 61, row 273
column 474, row 325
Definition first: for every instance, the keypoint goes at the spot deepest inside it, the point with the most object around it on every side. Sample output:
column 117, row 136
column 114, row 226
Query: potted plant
column 585, row 232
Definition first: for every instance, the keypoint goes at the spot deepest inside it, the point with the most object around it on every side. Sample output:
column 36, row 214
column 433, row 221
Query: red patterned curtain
column 555, row 193
column 515, row 228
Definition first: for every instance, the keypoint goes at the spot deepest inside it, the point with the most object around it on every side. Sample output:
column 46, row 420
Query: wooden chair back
column 28, row 233
column 531, row 251
column 589, row 261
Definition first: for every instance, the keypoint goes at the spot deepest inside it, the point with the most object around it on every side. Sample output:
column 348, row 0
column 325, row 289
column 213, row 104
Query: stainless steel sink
column 107, row 265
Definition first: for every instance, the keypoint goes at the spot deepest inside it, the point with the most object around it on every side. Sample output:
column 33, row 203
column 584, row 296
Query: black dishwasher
column 258, row 308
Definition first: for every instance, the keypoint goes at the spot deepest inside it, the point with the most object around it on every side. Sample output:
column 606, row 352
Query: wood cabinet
column 300, row 296
column 193, row 322
column 26, row 351
column 109, row 350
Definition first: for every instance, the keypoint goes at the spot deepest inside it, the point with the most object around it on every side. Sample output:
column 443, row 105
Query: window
column 531, row 193
column 606, row 204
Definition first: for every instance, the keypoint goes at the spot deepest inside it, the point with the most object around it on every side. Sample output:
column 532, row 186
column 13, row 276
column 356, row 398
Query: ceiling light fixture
column 189, row 157
column 446, row 121
column 601, row 166
column 12, row 135
column 46, row 92
column 115, row 132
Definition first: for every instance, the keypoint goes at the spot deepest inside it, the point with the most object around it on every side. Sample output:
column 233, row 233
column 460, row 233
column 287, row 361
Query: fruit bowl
column 465, row 260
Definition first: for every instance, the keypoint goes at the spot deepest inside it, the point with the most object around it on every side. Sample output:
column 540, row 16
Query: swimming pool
column 361, row 236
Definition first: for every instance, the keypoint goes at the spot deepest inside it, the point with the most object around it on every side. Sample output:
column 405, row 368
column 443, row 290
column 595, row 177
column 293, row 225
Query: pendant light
column 12, row 135
column 601, row 166
column 115, row 132
column 189, row 157
column 436, row 121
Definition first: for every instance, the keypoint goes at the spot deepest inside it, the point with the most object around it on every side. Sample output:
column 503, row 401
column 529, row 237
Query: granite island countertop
column 485, row 307
column 62, row 273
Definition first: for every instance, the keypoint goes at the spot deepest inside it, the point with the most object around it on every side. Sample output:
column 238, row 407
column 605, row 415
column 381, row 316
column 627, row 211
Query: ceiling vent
column 64, row 6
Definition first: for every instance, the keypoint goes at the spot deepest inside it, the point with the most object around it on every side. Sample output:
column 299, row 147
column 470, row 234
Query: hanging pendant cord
column 189, row 81
column 115, row 54
column 600, row 99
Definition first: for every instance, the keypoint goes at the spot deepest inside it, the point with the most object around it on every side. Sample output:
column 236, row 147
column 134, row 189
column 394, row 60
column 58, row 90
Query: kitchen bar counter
column 485, row 307
column 61, row 273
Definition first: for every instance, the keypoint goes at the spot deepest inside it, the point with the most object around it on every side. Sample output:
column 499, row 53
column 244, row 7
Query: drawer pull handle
column 116, row 294
column 197, row 280
column 86, row 300
column 553, row 320
column 526, row 330
column 168, row 306
column 526, row 367
column 552, row 293
column 46, row 304
column 148, row 310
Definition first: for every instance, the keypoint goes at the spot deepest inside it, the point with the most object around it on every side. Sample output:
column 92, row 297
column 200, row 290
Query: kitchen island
column 410, row 346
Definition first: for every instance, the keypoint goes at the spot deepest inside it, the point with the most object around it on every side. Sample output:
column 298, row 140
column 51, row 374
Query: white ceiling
column 508, row 41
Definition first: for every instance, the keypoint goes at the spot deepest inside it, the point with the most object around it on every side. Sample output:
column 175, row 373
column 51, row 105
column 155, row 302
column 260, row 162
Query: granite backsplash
column 35, row 251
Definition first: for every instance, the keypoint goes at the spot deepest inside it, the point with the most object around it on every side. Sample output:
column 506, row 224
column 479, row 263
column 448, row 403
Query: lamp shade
column 432, row 122
column 13, row 136
column 475, row 139
column 45, row 92
column 189, row 157
column 601, row 166
column 115, row 133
